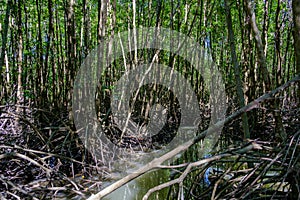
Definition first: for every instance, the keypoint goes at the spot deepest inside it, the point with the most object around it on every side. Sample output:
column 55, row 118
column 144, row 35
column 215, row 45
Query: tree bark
column 102, row 16
column 3, row 48
column 239, row 87
column 294, row 175
column 71, row 67
column 279, row 129
column 39, row 82
column 49, row 61
column 296, row 32
column 259, row 45
column 20, row 58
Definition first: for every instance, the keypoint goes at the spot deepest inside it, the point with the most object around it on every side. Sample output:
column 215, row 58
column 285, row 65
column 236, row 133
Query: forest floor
column 41, row 157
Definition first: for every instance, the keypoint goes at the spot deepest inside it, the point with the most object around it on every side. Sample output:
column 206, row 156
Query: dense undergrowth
column 41, row 157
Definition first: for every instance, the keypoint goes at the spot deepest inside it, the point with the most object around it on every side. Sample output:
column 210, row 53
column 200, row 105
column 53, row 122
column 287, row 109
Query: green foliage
column 204, row 20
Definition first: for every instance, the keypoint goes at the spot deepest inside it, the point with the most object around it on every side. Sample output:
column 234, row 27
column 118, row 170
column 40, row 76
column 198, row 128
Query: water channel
column 136, row 189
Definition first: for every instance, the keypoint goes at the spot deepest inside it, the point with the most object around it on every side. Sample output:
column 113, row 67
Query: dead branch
column 6, row 155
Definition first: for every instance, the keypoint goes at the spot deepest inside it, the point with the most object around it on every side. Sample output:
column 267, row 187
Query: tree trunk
column 71, row 67
column 40, row 82
column 294, row 174
column 237, row 72
column 49, row 61
column 19, row 58
column 279, row 129
column 102, row 15
column 3, row 49
column 296, row 32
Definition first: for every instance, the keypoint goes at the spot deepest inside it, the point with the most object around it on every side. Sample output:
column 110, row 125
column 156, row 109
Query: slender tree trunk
column 27, row 76
column 265, row 26
column 19, row 58
column 294, row 174
column 246, row 58
column 296, row 32
column 259, row 45
column 71, row 67
column 134, row 31
column 49, row 62
column 86, row 28
column 3, row 49
column 102, row 15
column 39, row 83
column 237, row 72
column 60, row 60
column 279, row 129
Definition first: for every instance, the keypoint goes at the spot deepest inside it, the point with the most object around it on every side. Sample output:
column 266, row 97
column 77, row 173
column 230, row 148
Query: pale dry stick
column 78, row 192
column 181, row 194
column 72, row 182
column 5, row 155
column 215, row 189
column 41, row 152
column 44, row 189
column 3, row 124
column 93, row 185
column 123, row 53
column 294, row 150
column 158, row 161
column 14, row 195
column 173, row 166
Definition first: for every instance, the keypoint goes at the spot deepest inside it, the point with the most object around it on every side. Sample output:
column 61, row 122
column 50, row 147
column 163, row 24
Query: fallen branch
column 155, row 163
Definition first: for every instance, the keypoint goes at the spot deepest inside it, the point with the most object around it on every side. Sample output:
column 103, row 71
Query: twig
column 5, row 155
column 14, row 195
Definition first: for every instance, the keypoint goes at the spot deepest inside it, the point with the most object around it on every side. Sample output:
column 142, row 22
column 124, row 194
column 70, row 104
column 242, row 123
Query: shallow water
column 136, row 189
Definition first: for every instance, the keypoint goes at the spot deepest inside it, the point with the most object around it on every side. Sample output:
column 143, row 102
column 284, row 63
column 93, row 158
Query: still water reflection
column 136, row 189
